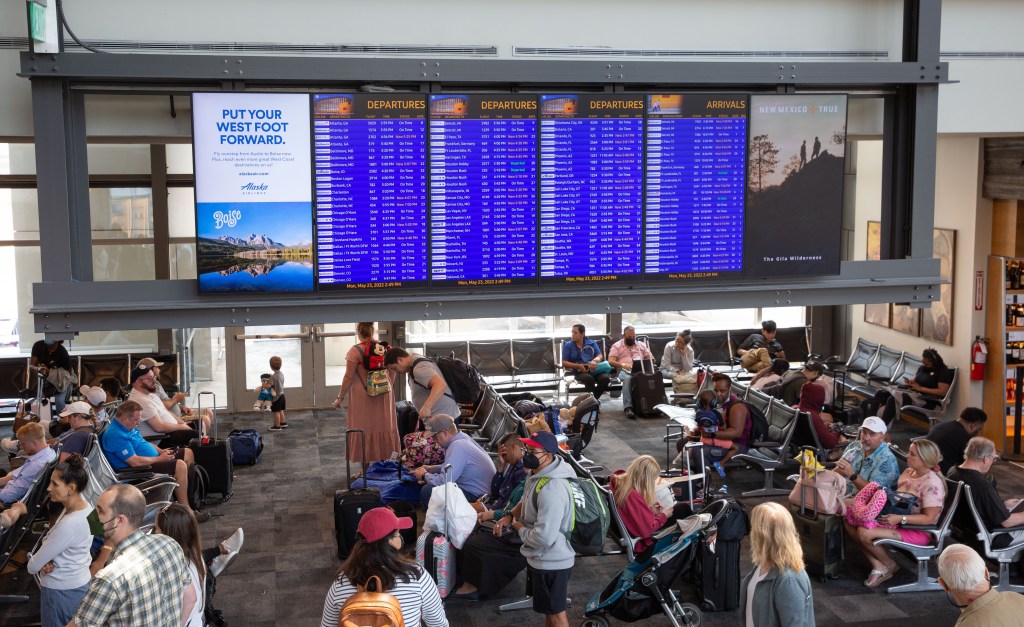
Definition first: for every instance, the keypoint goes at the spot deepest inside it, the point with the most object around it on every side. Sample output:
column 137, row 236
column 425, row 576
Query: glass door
column 252, row 350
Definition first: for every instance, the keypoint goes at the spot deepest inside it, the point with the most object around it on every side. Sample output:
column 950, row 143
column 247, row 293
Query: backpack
column 590, row 515
column 758, row 423
column 371, row 609
column 198, row 480
column 773, row 389
column 373, row 353
column 463, row 379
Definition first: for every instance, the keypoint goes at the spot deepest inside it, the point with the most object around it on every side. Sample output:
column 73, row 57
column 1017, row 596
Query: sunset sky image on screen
column 483, row 189
column 695, row 182
column 591, row 186
column 371, row 190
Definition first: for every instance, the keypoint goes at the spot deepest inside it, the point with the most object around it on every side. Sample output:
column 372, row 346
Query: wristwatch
column 903, row 521
column 853, row 477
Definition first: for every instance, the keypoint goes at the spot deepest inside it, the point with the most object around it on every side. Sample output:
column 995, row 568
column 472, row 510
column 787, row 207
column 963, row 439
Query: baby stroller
column 643, row 588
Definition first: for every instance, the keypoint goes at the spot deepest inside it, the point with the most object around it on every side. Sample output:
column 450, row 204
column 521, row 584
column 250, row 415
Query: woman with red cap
column 377, row 553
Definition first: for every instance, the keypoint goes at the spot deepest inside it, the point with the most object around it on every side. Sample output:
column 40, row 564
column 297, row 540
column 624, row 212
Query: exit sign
column 37, row 20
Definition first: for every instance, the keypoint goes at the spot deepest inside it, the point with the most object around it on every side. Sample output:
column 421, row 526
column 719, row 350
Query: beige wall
column 958, row 206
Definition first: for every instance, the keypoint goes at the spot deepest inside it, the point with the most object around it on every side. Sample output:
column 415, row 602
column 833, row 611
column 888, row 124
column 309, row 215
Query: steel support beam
column 62, row 309
column 214, row 69
column 62, row 181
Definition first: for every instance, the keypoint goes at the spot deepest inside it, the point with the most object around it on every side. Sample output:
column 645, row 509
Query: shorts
column 167, row 466
column 913, row 536
column 550, row 590
column 278, row 404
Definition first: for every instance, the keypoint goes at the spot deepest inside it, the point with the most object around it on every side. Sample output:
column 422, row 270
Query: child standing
column 278, row 406
column 266, row 390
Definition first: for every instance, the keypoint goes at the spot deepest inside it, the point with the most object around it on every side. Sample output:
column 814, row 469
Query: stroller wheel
column 595, row 621
column 691, row 615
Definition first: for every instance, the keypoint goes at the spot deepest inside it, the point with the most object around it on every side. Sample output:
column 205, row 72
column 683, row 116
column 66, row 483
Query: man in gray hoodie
column 545, row 525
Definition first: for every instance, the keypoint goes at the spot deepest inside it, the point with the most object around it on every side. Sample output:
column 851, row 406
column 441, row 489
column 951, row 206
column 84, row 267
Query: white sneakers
column 232, row 545
column 9, row 445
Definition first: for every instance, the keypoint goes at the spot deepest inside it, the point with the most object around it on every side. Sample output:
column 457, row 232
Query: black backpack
column 198, row 480
column 462, row 378
column 758, row 423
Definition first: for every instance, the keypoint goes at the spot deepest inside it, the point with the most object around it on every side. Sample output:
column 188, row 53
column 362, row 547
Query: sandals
column 878, row 577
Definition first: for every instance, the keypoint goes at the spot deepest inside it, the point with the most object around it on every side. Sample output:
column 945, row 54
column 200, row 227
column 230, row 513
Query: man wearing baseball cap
column 472, row 468
column 97, row 398
column 173, row 403
column 80, row 418
column 869, row 459
column 156, row 420
column 544, row 526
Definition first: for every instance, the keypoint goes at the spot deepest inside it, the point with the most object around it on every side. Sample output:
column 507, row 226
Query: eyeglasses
column 995, row 458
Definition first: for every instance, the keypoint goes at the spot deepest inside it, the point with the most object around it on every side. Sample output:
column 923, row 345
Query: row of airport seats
column 872, row 367
column 535, row 364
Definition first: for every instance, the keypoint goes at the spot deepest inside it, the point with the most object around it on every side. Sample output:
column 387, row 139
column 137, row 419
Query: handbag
column 867, row 507
column 900, row 503
column 421, row 449
column 830, row 486
column 377, row 382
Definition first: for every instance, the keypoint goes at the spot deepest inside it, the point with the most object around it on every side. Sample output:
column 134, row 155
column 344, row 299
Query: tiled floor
column 285, row 505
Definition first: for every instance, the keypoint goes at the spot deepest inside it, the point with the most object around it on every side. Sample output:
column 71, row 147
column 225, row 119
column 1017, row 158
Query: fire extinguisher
column 979, row 355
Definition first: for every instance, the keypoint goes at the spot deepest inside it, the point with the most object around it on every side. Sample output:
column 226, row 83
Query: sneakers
column 256, row 406
column 275, row 428
column 234, row 542
column 266, row 409
column 10, row 445
column 284, row 425
column 629, row 413
column 201, row 517
column 221, row 562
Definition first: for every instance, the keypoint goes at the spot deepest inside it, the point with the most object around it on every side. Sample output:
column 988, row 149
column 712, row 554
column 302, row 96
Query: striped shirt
column 419, row 600
column 142, row 585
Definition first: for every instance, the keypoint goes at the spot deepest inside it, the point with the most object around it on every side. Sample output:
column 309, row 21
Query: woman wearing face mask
column 376, row 553
column 62, row 562
column 491, row 559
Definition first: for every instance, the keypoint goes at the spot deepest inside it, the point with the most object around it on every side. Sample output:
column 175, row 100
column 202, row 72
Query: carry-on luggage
column 821, row 534
column 246, row 446
column 648, row 389
column 718, row 562
column 434, row 551
column 408, row 419
column 212, row 454
column 351, row 503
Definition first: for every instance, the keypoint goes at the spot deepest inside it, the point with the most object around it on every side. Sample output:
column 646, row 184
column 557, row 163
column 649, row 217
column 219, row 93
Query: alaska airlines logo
column 230, row 218
column 255, row 187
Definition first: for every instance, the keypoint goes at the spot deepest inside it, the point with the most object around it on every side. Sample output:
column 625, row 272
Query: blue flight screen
column 695, row 181
column 591, row 187
column 370, row 177
column 483, row 189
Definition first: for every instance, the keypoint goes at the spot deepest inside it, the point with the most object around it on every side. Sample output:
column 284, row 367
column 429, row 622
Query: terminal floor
column 285, row 505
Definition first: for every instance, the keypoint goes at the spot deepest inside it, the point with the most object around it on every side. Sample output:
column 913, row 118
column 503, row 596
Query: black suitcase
column 648, row 389
column 351, row 504
column 212, row 454
column 408, row 419
column 718, row 571
column 821, row 536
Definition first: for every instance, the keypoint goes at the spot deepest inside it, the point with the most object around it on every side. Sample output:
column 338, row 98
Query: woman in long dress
column 375, row 415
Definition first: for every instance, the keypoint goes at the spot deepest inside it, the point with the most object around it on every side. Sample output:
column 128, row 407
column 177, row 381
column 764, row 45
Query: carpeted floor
column 285, row 505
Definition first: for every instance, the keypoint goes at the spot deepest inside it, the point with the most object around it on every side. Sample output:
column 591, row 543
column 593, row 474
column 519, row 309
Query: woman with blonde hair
column 777, row 592
column 369, row 410
column 922, row 480
column 633, row 490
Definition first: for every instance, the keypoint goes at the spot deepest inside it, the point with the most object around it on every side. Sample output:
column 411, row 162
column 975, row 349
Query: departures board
column 464, row 190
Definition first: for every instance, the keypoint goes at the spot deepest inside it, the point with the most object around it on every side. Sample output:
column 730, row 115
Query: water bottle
column 724, row 489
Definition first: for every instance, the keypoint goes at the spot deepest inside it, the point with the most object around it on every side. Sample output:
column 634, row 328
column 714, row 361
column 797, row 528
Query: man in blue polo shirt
column 125, row 447
column 580, row 356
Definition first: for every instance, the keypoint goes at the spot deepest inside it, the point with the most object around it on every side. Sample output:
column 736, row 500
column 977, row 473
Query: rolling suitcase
column 434, row 551
column 212, row 454
column 648, row 389
column 350, row 504
column 821, row 535
column 718, row 561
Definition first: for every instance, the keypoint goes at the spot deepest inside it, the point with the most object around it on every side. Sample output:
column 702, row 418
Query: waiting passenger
column 641, row 513
column 377, row 553
column 145, row 577
column 156, row 420
column 979, row 456
column 736, row 432
column 83, row 426
column 812, row 399
column 769, row 379
column 777, row 591
column 173, row 403
column 964, row 577
column 32, row 439
column 581, row 356
column 510, row 475
column 952, row 436
column 930, row 383
column 868, row 459
column 759, row 349
column 677, row 363
column 62, row 560
column 621, row 356
column 928, row 486
column 430, row 392
column 472, row 468
column 177, row 522
column 54, row 363
column 97, row 398
column 794, row 380
column 125, row 447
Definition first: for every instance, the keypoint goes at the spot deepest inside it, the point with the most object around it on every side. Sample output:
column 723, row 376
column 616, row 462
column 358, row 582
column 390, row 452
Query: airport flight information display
column 695, row 179
column 591, row 187
column 370, row 182
column 483, row 189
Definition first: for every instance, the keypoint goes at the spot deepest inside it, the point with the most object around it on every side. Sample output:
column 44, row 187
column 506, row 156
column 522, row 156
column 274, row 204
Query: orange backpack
column 371, row 609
